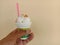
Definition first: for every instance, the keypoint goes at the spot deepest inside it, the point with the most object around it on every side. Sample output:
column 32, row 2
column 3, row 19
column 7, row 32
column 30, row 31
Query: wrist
column 2, row 42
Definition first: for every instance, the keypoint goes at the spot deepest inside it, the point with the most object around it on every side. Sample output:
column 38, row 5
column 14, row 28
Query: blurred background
column 45, row 15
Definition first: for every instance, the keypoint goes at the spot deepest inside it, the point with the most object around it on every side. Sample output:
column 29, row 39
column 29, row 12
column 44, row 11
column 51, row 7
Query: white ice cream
column 23, row 22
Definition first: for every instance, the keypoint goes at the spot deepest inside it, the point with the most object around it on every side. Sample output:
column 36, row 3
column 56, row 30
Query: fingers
column 24, row 42
column 31, row 36
column 19, row 42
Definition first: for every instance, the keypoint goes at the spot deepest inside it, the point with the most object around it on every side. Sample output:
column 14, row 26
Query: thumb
column 18, row 33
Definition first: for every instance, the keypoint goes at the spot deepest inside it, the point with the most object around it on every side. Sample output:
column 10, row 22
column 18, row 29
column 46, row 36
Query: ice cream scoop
column 24, row 22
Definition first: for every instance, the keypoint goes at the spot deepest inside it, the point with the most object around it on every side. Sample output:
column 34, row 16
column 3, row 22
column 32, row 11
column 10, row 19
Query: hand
column 14, row 38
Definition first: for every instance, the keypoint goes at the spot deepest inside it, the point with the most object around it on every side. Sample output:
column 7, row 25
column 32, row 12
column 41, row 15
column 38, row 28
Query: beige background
column 45, row 15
